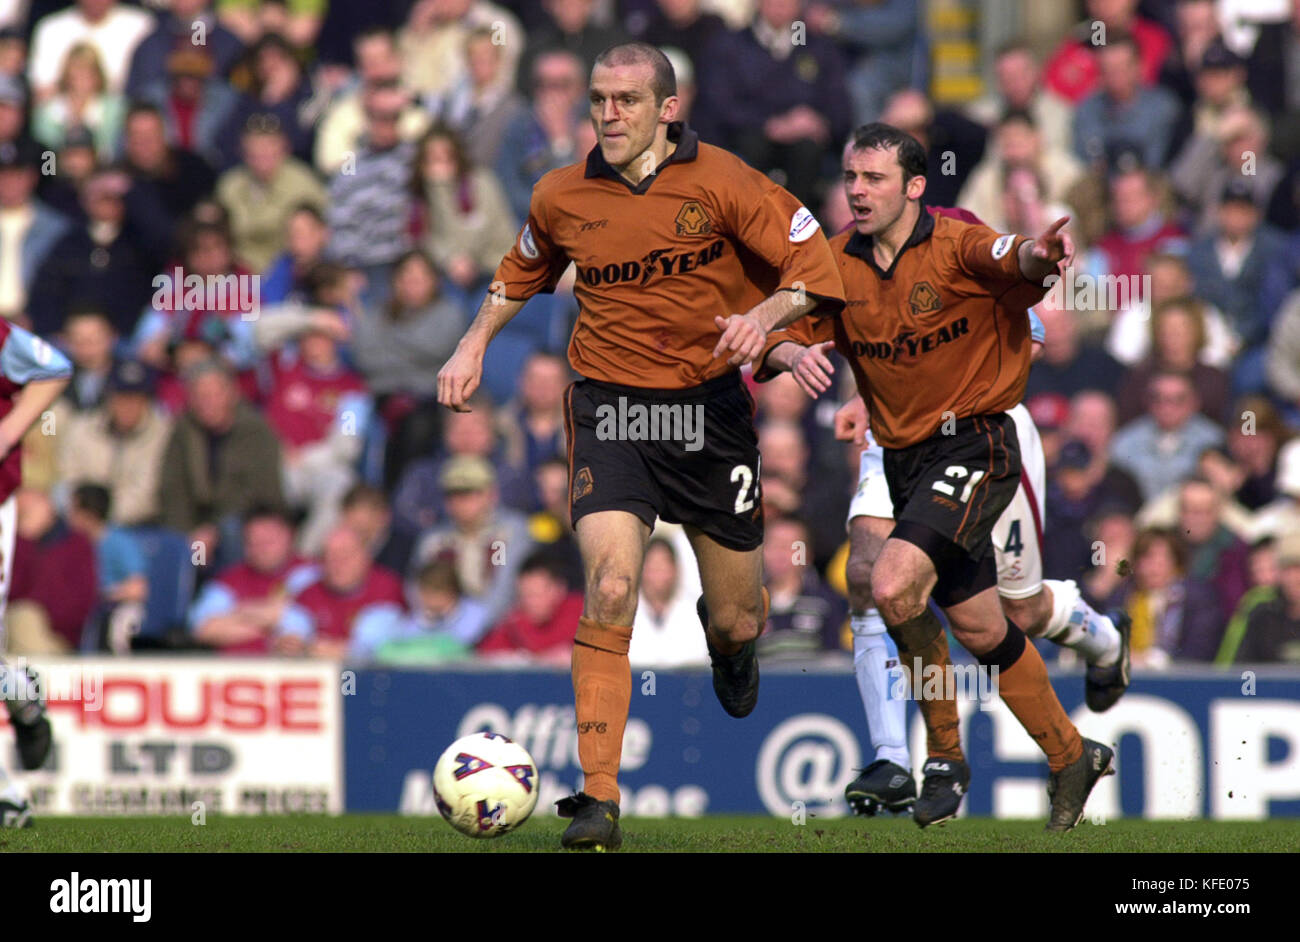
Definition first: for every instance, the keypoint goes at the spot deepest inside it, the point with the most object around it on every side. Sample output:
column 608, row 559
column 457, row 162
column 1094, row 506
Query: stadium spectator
column 1228, row 265
column 1067, row 365
column 546, row 136
column 954, row 144
column 551, row 527
column 82, row 100
column 1175, row 617
column 321, row 619
column 369, row 209
column 487, row 542
column 461, row 214
column 13, row 110
column 1264, row 577
column 666, row 630
column 1123, row 111
column 176, row 28
column 1073, row 72
column 433, row 39
column 776, row 104
column 221, row 315
column 1219, row 88
column 105, row 262
column 238, row 609
column 1018, row 87
column 113, row 29
column 119, row 446
column 571, row 26
column 217, row 464
column 29, row 229
column 786, row 489
column 1139, row 225
column 1018, row 144
column 418, row 501
column 1256, row 434
column 305, row 238
column 1274, row 48
column 1129, row 338
column 1282, row 514
column 119, row 565
column 167, row 182
column 1177, row 341
column 806, row 617
column 1163, row 446
column 88, row 339
column 299, row 21
column 260, row 192
column 1235, row 151
column 399, row 348
column 195, row 102
column 1272, row 628
column 781, row 400
column 684, row 25
column 76, row 160
column 1196, row 31
column 319, row 409
column 441, row 626
column 482, row 103
column 343, row 126
column 544, row 618
column 1216, row 554
column 881, row 42
column 1113, row 536
column 278, row 85
column 532, row 426
column 53, row 584
column 365, row 509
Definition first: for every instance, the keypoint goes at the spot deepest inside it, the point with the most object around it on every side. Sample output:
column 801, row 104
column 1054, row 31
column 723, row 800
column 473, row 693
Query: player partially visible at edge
column 32, row 375
column 686, row 259
column 939, row 358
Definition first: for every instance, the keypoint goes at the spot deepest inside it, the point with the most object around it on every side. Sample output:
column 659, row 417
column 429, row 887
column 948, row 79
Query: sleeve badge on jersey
column 1003, row 245
column 527, row 244
column 802, row 225
column 693, row 220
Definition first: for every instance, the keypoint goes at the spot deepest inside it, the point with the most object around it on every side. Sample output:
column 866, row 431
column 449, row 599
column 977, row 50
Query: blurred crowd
column 259, row 227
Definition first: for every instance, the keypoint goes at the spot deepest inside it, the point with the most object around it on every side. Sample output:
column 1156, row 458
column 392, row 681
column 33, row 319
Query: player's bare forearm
column 782, row 308
column 460, row 376
column 31, row 403
column 1038, row 257
column 784, row 355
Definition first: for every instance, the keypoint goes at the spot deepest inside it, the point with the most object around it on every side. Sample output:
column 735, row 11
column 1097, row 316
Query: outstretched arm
column 460, row 375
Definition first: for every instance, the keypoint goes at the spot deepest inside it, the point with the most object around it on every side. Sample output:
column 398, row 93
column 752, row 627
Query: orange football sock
column 942, row 726
column 602, row 690
column 1023, row 684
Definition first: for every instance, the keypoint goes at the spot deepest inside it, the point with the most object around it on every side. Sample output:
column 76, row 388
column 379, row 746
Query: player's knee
column 1030, row 615
column 857, row 573
column 738, row 623
column 612, row 596
column 897, row 599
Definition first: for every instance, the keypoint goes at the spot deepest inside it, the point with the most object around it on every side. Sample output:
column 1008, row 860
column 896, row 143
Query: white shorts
column 1017, row 536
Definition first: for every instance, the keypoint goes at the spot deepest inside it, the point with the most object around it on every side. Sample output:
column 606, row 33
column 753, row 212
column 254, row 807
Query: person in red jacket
column 545, row 616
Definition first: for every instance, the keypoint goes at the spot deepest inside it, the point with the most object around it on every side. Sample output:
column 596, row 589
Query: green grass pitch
column 382, row 833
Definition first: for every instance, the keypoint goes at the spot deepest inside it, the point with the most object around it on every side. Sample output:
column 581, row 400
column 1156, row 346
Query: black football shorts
column 948, row 492
column 688, row 456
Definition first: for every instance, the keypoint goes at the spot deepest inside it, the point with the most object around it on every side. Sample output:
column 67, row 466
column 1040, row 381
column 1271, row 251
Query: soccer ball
column 485, row 785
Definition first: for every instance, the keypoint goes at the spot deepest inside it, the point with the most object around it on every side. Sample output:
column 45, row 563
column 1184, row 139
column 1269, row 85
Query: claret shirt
column 942, row 333
column 705, row 235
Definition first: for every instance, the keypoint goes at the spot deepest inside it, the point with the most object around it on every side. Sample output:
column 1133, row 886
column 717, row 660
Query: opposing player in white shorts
column 1052, row 609
column 32, row 375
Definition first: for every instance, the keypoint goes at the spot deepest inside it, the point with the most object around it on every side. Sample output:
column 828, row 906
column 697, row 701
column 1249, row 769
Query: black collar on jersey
column 688, row 146
column 862, row 246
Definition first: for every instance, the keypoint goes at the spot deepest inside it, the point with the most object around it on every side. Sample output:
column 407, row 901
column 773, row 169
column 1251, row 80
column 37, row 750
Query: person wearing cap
column 195, row 101
column 1233, row 149
column 29, row 229
column 487, row 541
column 1229, row 265
column 81, row 101
column 113, row 29
column 120, row 445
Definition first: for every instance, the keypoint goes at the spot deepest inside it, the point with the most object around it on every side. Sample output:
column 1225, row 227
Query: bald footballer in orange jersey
column 939, row 357
column 686, row 258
